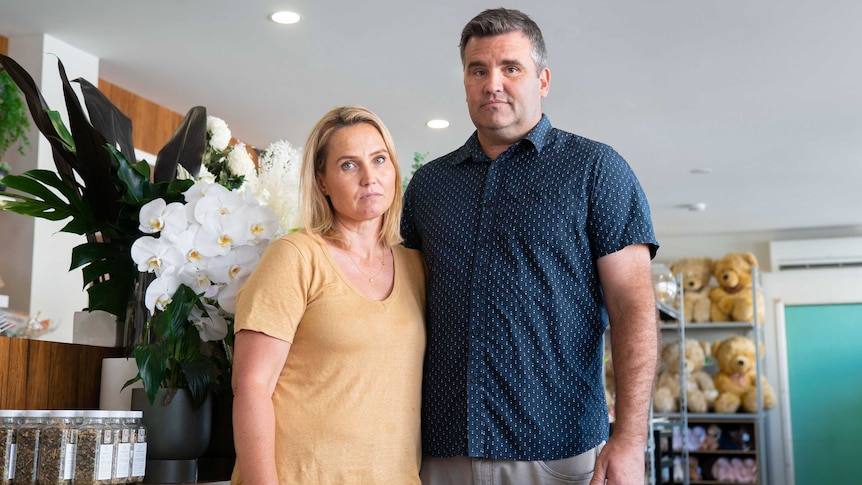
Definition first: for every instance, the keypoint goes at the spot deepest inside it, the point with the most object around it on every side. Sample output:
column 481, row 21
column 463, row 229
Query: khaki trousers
column 461, row 470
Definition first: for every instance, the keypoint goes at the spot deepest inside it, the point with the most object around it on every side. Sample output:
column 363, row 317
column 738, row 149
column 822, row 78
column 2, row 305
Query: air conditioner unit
column 815, row 253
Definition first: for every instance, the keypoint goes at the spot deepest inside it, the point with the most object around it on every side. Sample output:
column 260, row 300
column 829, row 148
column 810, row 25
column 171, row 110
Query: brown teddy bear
column 696, row 274
column 732, row 300
column 736, row 379
column 700, row 390
column 610, row 385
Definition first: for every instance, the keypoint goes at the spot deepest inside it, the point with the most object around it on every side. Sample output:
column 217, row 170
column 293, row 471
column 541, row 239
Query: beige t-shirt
column 347, row 402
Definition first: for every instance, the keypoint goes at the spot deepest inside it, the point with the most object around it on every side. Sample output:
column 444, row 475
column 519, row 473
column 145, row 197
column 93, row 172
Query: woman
column 329, row 328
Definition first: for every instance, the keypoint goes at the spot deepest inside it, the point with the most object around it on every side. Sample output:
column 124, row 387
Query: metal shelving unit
column 683, row 419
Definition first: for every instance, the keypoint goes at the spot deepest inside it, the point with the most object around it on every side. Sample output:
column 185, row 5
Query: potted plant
column 14, row 121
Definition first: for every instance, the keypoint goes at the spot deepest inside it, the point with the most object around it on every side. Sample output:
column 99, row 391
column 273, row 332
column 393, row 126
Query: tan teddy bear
column 732, row 300
column 700, row 390
column 610, row 385
column 736, row 379
column 696, row 274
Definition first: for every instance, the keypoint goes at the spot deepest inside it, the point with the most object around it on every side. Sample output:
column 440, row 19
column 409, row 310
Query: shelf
column 709, row 326
column 667, row 312
column 709, row 417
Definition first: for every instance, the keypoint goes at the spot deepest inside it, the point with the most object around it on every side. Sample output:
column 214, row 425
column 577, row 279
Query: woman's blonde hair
column 318, row 215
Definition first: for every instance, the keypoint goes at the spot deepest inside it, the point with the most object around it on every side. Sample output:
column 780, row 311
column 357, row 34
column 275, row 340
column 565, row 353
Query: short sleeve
column 619, row 212
column 274, row 298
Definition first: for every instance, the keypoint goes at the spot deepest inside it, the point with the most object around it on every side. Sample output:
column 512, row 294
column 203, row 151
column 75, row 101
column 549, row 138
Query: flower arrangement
column 180, row 245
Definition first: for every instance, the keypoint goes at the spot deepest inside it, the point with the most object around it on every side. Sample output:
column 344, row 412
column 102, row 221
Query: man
column 531, row 235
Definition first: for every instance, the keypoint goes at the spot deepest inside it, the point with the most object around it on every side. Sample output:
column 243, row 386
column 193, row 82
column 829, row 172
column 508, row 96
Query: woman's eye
column 380, row 160
column 347, row 165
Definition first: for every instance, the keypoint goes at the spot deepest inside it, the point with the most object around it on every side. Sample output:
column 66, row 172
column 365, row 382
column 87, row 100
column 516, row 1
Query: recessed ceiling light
column 438, row 124
column 285, row 17
column 697, row 207
column 701, row 171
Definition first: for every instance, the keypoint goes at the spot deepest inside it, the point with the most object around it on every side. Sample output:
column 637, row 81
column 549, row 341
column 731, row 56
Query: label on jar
column 106, row 462
column 69, row 464
column 123, row 450
column 140, row 460
column 10, row 464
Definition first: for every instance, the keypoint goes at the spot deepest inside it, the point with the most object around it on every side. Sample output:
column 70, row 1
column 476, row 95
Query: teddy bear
column 700, row 389
column 733, row 300
column 712, row 439
column 736, row 379
column 696, row 274
column 610, row 384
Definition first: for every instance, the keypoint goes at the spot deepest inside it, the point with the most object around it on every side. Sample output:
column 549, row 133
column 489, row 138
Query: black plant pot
column 177, row 435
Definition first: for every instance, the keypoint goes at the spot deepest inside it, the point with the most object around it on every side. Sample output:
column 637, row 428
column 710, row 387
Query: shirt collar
column 472, row 151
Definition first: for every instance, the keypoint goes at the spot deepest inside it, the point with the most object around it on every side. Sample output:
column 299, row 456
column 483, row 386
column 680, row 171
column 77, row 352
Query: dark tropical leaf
column 112, row 123
column 152, row 363
column 186, row 147
column 94, row 162
column 98, row 251
column 198, row 376
column 64, row 158
column 136, row 183
column 110, row 296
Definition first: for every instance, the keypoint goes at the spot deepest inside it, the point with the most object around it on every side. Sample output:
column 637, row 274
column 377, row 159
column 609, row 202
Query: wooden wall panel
column 15, row 396
column 4, row 46
column 35, row 374
column 152, row 125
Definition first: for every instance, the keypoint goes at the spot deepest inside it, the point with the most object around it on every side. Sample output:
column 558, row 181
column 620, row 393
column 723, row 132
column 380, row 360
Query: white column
column 36, row 257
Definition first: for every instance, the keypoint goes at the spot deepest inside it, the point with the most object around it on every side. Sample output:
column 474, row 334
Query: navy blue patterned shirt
column 513, row 365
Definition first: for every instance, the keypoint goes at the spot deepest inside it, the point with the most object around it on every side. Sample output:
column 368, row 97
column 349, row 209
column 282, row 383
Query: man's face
column 504, row 91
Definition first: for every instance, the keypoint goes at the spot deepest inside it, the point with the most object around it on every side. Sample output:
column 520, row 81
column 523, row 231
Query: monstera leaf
column 98, row 184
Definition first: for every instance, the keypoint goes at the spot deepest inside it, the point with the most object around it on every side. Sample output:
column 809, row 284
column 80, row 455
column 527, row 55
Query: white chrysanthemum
column 278, row 182
column 218, row 133
column 205, row 176
column 240, row 163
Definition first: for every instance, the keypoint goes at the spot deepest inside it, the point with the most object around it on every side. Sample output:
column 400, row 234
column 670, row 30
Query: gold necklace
column 375, row 275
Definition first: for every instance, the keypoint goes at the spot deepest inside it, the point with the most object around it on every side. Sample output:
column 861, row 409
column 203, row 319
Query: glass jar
column 95, row 452
column 57, row 449
column 122, row 447
column 139, row 446
column 9, row 422
column 27, row 449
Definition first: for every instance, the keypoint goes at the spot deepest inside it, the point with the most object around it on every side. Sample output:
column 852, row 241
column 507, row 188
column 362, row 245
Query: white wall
column 36, row 256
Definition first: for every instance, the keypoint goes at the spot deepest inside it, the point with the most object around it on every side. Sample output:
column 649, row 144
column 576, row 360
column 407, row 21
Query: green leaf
column 198, row 374
column 98, row 251
column 137, row 185
column 152, row 362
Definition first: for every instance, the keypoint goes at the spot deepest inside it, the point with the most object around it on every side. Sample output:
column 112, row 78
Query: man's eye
column 513, row 70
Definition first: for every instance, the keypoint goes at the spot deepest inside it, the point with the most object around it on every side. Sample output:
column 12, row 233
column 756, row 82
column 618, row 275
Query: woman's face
column 359, row 176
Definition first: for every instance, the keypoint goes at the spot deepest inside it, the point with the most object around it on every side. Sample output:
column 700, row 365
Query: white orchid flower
column 227, row 294
column 263, row 223
column 155, row 255
column 221, row 233
column 161, row 291
column 198, row 191
column 157, row 216
column 198, row 280
column 210, row 324
column 237, row 263
column 217, row 200
column 185, row 244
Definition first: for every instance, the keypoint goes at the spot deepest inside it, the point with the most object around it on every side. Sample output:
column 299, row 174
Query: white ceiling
column 767, row 94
